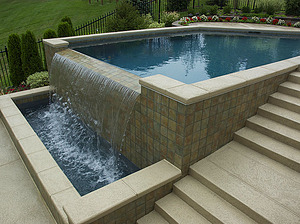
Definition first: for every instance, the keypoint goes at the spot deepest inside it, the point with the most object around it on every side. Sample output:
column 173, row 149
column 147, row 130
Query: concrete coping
column 56, row 42
column 192, row 93
column 66, row 205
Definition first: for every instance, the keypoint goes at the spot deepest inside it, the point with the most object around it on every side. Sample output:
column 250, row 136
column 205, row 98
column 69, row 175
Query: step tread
column 152, row 218
column 275, row 127
column 270, row 144
column 297, row 74
column 291, row 85
column 179, row 210
column 266, row 180
column 287, row 98
column 241, row 194
column 202, row 198
column 285, row 113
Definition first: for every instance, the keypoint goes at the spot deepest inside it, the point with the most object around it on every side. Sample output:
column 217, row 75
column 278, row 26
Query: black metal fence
column 252, row 4
column 98, row 25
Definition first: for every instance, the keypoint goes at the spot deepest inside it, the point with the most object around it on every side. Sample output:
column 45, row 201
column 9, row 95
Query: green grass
column 17, row 16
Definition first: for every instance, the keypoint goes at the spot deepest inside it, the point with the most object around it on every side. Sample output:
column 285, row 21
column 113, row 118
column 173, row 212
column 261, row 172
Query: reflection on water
column 196, row 57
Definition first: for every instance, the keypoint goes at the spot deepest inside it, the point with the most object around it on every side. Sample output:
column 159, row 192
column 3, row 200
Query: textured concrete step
column 175, row 210
column 270, row 147
column 290, row 88
column 245, row 197
column 286, row 101
column 294, row 77
column 280, row 115
column 207, row 203
column 152, row 218
column 275, row 130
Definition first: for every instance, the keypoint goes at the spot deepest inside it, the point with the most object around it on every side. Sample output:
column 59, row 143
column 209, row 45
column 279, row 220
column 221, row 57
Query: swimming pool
column 194, row 57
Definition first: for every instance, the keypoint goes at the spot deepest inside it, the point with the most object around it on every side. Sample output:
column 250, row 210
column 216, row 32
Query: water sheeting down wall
column 100, row 102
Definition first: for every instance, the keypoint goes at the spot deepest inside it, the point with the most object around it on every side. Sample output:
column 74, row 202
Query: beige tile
column 22, row 131
column 281, row 67
column 56, row 43
column 254, row 75
column 54, row 180
column 16, row 120
column 10, row 111
column 100, row 202
column 187, row 94
column 41, row 161
column 159, row 83
column 152, row 177
column 5, row 101
column 31, row 144
column 222, row 84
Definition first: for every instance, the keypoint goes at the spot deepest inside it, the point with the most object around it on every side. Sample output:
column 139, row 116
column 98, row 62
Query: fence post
column 159, row 11
column 6, row 52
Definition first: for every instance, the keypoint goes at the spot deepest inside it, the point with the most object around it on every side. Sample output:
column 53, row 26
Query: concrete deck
column 20, row 200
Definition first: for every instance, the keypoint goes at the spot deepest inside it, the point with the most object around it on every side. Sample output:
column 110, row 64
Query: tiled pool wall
column 180, row 122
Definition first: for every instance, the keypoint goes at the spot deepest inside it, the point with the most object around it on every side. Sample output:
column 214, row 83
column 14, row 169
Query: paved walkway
column 20, row 200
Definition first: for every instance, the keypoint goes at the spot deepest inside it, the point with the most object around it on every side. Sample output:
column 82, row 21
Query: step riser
column 294, row 79
column 273, row 134
column 164, row 214
column 196, row 206
column 278, row 118
column 284, row 104
column 288, row 91
column 242, row 207
column 265, row 151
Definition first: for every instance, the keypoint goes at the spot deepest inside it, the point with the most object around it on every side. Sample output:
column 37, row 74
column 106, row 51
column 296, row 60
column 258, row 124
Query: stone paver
column 20, row 200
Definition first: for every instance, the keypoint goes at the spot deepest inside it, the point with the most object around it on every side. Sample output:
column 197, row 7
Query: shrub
column 203, row 10
column 19, row 88
column 292, row 7
column 68, row 20
column 246, row 9
column 14, row 59
column 38, row 79
column 177, row 5
column 169, row 17
column 31, row 60
column 64, row 30
column 50, row 33
column 258, row 10
column 270, row 6
column 216, row 2
column 142, row 6
column 297, row 24
column 156, row 25
column 214, row 10
column 127, row 17
column 227, row 9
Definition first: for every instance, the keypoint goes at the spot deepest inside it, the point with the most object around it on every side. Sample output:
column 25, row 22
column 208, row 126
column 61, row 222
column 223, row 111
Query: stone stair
column 253, row 179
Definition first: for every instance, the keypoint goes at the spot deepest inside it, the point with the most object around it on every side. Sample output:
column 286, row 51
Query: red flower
column 275, row 21
column 209, row 18
column 244, row 18
column 198, row 18
column 289, row 24
column 192, row 19
column 220, row 19
column 187, row 19
column 263, row 20
column 228, row 19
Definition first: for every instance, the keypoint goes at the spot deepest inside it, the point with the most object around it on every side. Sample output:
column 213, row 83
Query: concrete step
column 290, row 88
column 152, row 218
column 286, row 101
column 238, row 186
column 175, row 210
column 270, row 147
column 275, row 130
column 294, row 77
column 280, row 115
column 207, row 203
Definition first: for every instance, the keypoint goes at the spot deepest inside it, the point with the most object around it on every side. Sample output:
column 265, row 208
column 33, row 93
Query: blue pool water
column 86, row 159
column 196, row 57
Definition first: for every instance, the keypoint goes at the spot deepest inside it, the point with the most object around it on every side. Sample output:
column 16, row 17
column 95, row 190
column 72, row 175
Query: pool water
column 195, row 57
column 86, row 159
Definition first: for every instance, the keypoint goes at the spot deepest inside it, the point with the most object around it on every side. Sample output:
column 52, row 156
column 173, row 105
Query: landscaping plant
column 38, row 79
column 127, row 17
column 292, row 7
column 14, row 59
column 49, row 33
column 169, row 17
column 64, row 30
column 68, row 20
column 177, row 5
column 31, row 60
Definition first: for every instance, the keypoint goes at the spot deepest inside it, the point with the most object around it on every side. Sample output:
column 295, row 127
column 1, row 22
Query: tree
column 31, row 60
column 14, row 59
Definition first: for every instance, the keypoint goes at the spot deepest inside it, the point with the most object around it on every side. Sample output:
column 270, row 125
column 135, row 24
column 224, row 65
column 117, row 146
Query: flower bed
column 185, row 21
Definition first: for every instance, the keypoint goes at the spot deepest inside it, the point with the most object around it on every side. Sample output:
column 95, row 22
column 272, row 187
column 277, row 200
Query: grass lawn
column 17, row 16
